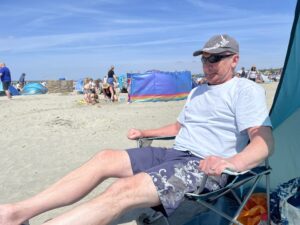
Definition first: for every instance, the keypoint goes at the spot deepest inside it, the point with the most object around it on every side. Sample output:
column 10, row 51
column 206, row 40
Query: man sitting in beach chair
column 212, row 134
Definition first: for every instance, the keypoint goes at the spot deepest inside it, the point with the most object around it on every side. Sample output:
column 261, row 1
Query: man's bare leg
column 69, row 189
column 124, row 194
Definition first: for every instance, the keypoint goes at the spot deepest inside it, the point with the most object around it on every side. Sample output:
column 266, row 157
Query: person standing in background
column 6, row 79
column 22, row 80
column 252, row 74
column 111, row 78
column 243, row 73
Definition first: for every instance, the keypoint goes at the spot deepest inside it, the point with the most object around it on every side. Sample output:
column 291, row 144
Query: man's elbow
column 177, row 128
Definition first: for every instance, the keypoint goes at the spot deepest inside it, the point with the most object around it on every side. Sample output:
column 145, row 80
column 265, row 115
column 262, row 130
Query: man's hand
column 214, row 165
column 134, row 134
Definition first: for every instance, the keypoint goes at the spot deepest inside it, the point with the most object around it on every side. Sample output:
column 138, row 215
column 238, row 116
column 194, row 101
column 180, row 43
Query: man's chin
column 212, row 81
column 210, row 78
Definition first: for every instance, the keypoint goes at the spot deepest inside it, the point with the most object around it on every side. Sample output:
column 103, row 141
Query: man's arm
column 260, row 147
column 169, row 130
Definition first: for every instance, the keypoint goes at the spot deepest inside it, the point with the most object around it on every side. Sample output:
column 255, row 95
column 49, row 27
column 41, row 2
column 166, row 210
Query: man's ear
column 235, row 61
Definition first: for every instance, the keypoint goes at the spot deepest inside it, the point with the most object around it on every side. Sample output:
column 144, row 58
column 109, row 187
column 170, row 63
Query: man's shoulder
column 198, row 89
column 246, row 83
column 248, row 89
column 6, row 69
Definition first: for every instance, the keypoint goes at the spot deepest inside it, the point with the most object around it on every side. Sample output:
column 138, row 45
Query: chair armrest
column 147, row 141
column 237, row 179
column 159, row 138
column 233, row 172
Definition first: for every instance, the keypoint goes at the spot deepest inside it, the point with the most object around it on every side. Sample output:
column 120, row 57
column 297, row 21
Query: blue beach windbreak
column 155, row 86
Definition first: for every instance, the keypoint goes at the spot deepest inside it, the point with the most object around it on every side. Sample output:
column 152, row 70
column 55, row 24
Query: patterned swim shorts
column 173, row 172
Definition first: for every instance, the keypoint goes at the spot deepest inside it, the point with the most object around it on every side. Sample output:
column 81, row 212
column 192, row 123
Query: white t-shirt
column 215, row 118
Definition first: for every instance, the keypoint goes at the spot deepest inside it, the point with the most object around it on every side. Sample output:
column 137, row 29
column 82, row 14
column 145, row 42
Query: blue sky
column 74, row 39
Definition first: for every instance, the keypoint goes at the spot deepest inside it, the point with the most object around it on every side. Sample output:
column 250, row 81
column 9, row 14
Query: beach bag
column 254, row 210
column 291, row 210
column 285, row 203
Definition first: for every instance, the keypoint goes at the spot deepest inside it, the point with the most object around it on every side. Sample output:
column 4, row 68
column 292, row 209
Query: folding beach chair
column 240, row 187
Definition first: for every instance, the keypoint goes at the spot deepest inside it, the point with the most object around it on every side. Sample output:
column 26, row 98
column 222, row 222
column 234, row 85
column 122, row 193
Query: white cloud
column 213, row 7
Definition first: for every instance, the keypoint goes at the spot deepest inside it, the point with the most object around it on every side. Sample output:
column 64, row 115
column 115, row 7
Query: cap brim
column 214, row 51
column 196, row 53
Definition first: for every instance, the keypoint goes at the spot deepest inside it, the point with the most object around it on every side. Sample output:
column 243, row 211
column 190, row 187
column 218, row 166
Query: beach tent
column 155, row 86
column 79, row 86
column 285, row 113
column 34, row 89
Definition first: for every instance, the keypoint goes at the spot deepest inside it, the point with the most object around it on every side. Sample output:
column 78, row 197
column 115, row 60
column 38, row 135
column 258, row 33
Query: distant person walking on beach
column 111, row 78
column 5, row 79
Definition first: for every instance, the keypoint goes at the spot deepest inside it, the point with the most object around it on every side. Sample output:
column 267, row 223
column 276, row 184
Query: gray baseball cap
column 219, row 44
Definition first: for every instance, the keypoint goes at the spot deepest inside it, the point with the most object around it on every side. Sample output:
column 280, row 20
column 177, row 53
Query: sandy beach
column 43, row 137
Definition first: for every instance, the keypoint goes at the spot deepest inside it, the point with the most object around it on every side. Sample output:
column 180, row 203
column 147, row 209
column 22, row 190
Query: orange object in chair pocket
column 254, row 209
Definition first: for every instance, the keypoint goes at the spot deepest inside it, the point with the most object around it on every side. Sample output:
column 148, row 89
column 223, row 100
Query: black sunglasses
column 214, row 58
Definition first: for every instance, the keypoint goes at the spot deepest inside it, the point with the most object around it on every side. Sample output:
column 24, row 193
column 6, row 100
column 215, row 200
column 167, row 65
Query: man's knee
column 106, row 154
column 138, row 188
column 112, row 163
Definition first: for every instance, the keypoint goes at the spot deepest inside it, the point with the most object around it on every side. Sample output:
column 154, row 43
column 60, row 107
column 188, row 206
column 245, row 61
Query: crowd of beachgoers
column 93, row 88
column 259, row 76
column 109, row 88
